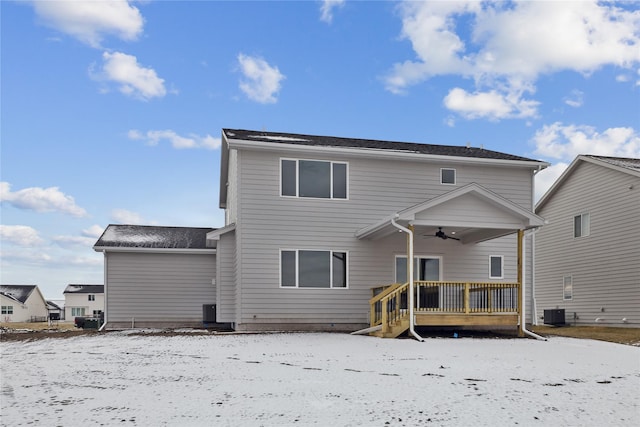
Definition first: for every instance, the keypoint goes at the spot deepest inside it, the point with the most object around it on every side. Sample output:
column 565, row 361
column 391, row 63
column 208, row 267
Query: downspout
column 410, row 274
column 104, row 325
column 524, row 305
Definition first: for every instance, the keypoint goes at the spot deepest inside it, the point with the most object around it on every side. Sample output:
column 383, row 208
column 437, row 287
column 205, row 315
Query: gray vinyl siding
column 226, row 269
column 377, row 188
column 605, row 265
column 159, row 287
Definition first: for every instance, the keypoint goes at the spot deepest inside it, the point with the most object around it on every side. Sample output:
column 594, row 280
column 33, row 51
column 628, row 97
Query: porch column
column 410, row 301
column 521, row 301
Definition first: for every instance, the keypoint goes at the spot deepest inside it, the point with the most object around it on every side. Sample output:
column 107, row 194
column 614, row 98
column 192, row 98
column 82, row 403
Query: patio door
column 425, row 268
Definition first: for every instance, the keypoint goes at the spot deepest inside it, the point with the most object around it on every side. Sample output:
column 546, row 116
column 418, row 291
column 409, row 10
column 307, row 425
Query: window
column 567, row 288
column 581, row 225
column 313, row 269
column 92, row 297
column 77, row 311
column 447, row 176
column 313, row 178
column 7, row 309
column 424, row 268
column 495, row 267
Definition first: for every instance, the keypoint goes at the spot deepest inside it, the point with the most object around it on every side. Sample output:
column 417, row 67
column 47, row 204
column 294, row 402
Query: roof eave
column 136, row 249
column 380, row 153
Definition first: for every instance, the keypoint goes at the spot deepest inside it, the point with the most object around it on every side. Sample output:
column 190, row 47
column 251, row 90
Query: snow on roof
column 157, row 237
column 84, row 289
column 623, row 162
column 18, row 292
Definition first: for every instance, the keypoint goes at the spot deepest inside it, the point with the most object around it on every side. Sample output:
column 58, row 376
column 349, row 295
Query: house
column 22, row 303
column 587, row 258
column 56, row 312
column 83, row 301
column 156, row 276
column 329, row 233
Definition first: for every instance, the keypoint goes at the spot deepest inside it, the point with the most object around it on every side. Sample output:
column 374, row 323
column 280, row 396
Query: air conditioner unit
column 208, row 313
column 554, row 317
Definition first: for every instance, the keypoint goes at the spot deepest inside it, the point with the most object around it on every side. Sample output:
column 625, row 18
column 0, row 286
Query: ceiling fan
column 441, row 234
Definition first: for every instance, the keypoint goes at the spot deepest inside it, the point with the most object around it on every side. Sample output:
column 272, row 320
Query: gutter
column 524, row 297
column 153, row 250
column 410, row 274
column 104, row 325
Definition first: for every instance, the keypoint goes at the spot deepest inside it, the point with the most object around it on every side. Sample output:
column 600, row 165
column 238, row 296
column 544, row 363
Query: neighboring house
column 22, row 303
column 83, row 301
column 56, row 312
column 587, row 258
column 157, row 276
column 313, row 227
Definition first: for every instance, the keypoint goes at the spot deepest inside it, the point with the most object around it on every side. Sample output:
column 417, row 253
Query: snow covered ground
column 122, row 379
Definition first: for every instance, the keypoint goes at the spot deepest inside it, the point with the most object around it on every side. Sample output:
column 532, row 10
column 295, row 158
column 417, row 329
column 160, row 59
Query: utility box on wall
column 555, row 317
column 208, row 313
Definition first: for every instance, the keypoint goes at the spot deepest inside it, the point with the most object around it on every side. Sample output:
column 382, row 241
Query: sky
column 111, row 111
column 139, row 378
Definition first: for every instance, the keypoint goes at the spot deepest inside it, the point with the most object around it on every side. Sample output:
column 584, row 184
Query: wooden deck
column 444, row 304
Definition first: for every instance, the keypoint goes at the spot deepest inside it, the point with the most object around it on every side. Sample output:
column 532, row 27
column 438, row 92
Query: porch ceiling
column 470, row 213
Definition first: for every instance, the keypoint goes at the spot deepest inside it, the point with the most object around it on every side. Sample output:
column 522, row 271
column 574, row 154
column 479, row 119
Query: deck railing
column 389, row 303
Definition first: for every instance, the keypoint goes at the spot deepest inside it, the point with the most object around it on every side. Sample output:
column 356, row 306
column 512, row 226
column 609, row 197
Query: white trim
column 297, row 261
column 331, row 163
column 154, row 250
column 501, row 267
column 455, row 176
column 364, row 152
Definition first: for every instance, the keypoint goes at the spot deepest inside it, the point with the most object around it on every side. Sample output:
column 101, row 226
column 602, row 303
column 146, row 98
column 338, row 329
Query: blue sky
column 112, row 110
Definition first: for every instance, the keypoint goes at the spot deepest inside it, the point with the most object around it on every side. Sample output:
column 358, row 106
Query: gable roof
column 240, row 138
column 84, row 289
column 52, row 305
column 19, row 293
column 150, row 238
column 626, row 165
column 340, row 142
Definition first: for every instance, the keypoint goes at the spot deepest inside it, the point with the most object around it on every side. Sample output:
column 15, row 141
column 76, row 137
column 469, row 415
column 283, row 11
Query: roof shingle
column 153, row 237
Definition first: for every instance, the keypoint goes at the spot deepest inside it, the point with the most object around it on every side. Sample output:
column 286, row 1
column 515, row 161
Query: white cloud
column 576, row 99
column 512, row 44
column 565, row 142
column 153, row 137
column 30, row 257
column 95, row 231
column 261, row 82
column 132, row 79
column 41, row 200
column 327, row 8
column 91, row 21
column 21, row 235
column 71, row 242
column 491, row 105
column 124, row 216
column 546, row 177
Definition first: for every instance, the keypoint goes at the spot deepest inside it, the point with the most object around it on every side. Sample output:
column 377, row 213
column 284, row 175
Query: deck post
column 520, row 293
column 467, row 308
column 384, row 302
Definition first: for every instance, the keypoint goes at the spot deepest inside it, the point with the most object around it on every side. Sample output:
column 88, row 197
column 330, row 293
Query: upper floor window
column 92, row 297
column 581, row 225
column 495, row 267
column 313, row 269
column 447, row 176
column 313, row 178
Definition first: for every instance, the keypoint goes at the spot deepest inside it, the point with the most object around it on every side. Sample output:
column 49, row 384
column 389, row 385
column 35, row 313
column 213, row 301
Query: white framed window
column 447, row 176
column 567, row 288
column 7, row 309
column 318, row 179
column 302, row 268
column 424, row 268
column 496, row 267
column 581, row 225
column 77, row 311
column 91, row 297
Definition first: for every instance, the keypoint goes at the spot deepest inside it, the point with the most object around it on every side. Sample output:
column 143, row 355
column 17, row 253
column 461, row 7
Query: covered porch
column 465, row 216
